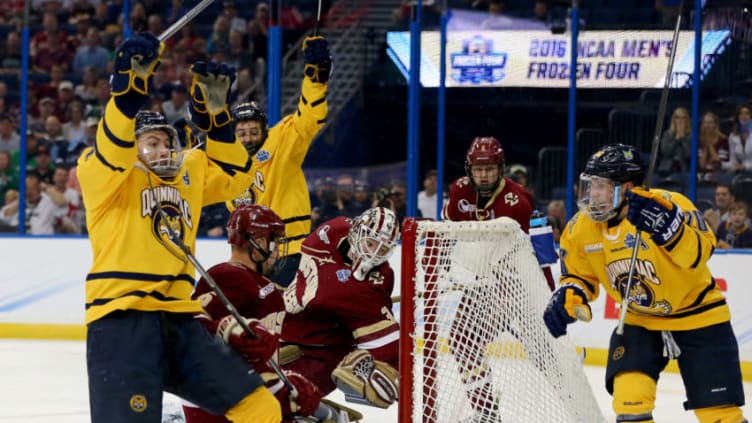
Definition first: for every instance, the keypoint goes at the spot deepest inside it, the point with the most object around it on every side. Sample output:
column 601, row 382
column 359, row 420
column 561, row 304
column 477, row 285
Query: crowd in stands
column 71, row 47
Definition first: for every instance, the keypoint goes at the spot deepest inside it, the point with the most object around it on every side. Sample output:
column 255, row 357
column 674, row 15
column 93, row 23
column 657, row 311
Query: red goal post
column 473, row 345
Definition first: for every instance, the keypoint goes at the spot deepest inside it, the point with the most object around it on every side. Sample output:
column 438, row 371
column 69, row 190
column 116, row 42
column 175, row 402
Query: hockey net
column 474, row 346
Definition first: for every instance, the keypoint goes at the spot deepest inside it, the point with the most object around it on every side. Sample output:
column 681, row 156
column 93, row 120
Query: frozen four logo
column 477, row 62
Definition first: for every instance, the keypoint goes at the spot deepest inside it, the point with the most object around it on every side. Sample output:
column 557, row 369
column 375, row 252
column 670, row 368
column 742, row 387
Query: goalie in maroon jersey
column 485, row 194
column 339, row 310
column 254, row 231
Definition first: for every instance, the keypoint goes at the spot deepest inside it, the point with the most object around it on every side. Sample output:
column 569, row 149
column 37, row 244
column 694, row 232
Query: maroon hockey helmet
column 484, row 151
column 253, row 221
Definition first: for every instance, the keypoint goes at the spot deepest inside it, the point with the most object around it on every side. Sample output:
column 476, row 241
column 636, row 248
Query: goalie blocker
column 365, row 380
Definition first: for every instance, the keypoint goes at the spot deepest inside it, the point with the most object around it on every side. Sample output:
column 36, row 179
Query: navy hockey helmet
column 165, row 166
column 601, row 193
column 251, row 112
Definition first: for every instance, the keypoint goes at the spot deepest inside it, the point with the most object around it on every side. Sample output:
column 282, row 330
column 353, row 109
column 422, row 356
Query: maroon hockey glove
column 307, row 401
column 254, row 349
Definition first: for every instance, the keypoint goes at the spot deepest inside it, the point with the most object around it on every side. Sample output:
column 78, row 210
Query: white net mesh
column 481, row 352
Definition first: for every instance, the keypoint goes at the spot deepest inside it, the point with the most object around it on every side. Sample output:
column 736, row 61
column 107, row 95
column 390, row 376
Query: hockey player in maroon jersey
column 339, row 309
column 254, row 232
column 485, row 194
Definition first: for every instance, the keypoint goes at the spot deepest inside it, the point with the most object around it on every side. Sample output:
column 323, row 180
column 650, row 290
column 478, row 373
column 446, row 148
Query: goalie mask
column 372, row 238
column 250, row 126
column 251, row 223
column 158, row 144
column 601, row 191
column 484, row 152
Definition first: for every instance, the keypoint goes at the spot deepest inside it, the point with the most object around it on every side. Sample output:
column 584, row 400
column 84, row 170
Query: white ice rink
column 45, row 382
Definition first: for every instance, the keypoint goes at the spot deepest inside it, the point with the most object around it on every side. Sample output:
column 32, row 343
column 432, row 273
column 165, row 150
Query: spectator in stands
column 41, row 165
column 41, row 212
column 237, row 51
column 220, row 36
column 713, row 151
column 175, row 11
column 53, row 52
column 8, row 174
column 397, row 200
column 719, row 214
column 556, row 215
column 361, row 197
column 45, row 108
column 64, row 97
column 10, row 140
column 345, row 190
column 735, row 233
column 246, row 88
column 137, row 17
column 91, row 54
column 740, row 141
column 82, row 24
column 496, row 19
column 675, row 146
column 11, row 12
column 258, row 31
column 325, row 200
column 74, row 131
column 50, row 29
column 11, row 53
column 177, row 106
column 101, row 96
column 540, row 10
column 427, row 196
column 70, row 217
column 670, row 11
column 87, row 88
column 51, row 88
column 237, row 23
column 518, row 173
column 155, row 24
column 56, row 141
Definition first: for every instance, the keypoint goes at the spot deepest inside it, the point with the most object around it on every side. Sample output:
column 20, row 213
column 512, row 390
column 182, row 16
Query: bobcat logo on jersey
column 641, row 294
column 175, row 215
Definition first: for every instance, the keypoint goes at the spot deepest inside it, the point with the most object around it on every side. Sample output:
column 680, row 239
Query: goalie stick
column 580, row 311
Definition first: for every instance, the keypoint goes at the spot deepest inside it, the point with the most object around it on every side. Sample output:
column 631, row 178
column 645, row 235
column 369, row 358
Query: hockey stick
column 318, row 21
column 651, row 168
column 175, row 27
column 324, row 411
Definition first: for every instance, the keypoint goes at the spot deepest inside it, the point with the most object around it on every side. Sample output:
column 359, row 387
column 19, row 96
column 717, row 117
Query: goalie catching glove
column 365, row 380
column 259, row 348
column 210, row 93
column 317, row 58
column 654, row 213
column 567, row 304
column 135, row 62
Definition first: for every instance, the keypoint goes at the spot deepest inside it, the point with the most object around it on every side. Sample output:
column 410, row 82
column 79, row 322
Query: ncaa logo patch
column 138, row 403
column 343, row 275
column 262, row 156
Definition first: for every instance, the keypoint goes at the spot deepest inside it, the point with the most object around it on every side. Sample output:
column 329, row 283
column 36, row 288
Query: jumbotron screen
column 538, row 58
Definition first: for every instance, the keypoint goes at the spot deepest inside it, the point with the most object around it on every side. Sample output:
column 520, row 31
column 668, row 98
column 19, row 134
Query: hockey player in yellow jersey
column 143, row 198
column 675, row 304
column 278, row 154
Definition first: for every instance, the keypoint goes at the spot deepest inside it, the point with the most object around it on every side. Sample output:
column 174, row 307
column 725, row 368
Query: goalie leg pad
column 365, row 380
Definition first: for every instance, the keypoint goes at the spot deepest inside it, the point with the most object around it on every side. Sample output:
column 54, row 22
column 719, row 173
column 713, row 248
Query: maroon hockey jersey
column 328, row 309
column 253, row 295
column 510, row 199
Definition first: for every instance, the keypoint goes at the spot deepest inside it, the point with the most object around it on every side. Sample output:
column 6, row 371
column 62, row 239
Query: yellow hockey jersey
column 278, row 180
column 672, row 288
column 136, row 265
